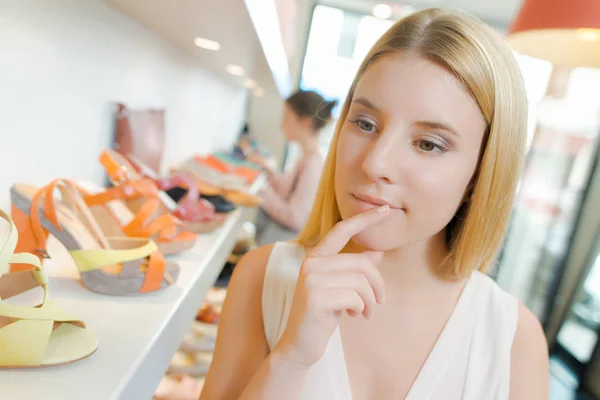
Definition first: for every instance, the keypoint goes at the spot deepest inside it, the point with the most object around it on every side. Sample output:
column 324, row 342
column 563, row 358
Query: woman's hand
column 258, row 160
column 329, row 284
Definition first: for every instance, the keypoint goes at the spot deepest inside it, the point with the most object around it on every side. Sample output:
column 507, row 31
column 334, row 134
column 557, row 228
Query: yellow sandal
column 40, row 336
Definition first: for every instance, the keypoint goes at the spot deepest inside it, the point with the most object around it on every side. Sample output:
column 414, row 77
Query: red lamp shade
column 565, row 32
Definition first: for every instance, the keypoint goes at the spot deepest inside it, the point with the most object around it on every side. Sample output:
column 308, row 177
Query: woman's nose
column 382, row 158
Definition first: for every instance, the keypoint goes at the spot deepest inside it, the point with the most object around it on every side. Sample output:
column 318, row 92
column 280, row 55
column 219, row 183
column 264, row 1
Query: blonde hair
column 483, row 63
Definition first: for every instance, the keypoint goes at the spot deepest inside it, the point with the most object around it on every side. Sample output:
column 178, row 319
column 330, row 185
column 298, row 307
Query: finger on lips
column 343, row 231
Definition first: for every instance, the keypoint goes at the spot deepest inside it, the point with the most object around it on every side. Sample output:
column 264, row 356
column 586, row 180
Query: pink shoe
column 198, row 215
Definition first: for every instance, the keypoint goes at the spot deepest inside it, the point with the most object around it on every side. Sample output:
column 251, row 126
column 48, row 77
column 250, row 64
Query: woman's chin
column 374, row 240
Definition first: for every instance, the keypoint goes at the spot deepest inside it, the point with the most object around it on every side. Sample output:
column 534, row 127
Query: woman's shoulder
column 285, row 260
column 255, row 259
column 507, row 311
column 490, row 291
column 275, row 267
column 529, row 358
column 497, row 309
column 280, row 259
column 525, row 340
column 506, row 341
column 249, row 272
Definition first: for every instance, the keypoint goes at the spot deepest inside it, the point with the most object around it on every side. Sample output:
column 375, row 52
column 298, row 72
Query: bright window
column 338, row 42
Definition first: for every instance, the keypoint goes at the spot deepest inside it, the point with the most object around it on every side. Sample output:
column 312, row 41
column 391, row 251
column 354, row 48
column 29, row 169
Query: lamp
column 564, row 32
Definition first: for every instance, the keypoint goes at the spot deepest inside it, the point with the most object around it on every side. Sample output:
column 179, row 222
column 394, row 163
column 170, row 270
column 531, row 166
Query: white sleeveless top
column 469, row 361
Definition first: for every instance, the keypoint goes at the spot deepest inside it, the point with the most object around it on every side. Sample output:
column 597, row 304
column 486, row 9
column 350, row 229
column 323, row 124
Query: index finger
column 343, row 231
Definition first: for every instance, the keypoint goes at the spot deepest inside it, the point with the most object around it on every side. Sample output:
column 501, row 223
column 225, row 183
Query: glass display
column 560, row 160
column 579, row 333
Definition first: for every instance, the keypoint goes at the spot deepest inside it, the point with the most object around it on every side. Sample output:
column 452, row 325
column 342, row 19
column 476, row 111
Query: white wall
column 264, row 120
column 301, row 35
column 266, row 112
column 63, row 63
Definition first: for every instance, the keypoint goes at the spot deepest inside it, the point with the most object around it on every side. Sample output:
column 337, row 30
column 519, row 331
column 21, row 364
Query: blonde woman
column 384, row 295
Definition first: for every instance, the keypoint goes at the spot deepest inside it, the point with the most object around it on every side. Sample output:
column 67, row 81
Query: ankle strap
column 9, row 246
column 128, row 190
column 118, row 168
column 72, row 199
column 12, row 284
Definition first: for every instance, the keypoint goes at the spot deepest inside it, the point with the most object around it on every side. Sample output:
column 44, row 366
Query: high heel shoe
column 198, row 215
column 134, row 207
column 214, row 183
column 190, row 209
column 219, row 163
column 222, row 206
column 108, row 265
column 39, row 336
column 237, row 162
column 215, row 174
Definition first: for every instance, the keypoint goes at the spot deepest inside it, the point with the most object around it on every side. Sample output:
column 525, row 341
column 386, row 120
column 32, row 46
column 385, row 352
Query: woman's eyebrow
column 437, row 125
column 367, row 103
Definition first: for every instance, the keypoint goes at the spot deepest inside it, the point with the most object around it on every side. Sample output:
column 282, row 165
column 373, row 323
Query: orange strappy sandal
column 136, row 207
column 108, row 265
column 248, row 174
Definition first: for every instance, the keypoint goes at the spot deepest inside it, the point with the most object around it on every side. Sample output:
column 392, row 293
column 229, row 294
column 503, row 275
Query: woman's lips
column 367, row 202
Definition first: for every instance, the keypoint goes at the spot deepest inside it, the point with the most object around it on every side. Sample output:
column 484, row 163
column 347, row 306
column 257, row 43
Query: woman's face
column 412, row 140
column 293, row 126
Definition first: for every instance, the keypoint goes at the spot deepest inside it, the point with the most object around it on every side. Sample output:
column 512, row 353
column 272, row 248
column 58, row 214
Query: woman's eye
column 426, row 145
column 365, row 125
column 430, row 146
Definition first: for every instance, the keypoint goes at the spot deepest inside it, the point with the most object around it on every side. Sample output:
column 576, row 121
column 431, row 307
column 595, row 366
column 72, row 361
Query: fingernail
column 383, row 209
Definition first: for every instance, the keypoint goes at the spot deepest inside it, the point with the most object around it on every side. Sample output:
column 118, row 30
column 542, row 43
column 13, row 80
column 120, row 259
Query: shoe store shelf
column 137, row 335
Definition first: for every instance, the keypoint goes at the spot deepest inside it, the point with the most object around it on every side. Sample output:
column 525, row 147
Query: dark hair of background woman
column 312, row 105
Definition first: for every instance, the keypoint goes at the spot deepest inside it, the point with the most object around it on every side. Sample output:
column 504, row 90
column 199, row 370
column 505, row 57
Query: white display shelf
column 137, row 335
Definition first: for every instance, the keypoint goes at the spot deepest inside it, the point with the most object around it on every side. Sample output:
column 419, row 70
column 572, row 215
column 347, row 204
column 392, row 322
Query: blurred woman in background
column 288, row 199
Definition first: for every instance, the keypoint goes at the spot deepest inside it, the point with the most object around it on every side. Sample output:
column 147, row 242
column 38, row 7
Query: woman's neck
column 414, row 270
column 309, row 143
